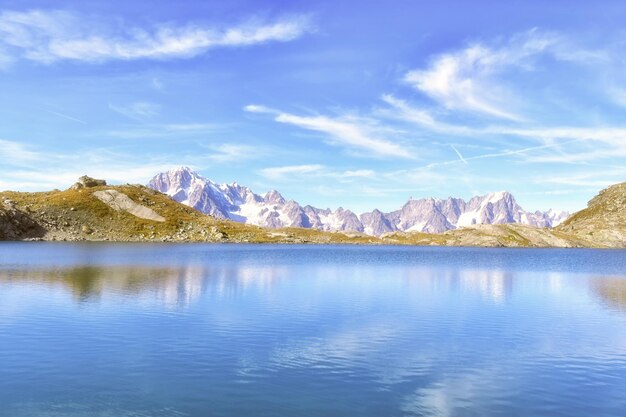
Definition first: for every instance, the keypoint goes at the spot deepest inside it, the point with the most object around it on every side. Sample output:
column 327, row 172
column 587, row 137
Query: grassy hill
column 494, row 235
column 77, row 214
column 604, row 219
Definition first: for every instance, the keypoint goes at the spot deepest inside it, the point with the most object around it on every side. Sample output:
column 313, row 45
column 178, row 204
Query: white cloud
column 190, row 127
column 467, row 79
column 567, row 144
column 17, row 153
column 256, row 108
column 280, row 173
column 30, row 168
column 348, row 131
column 50, row 36
column 234, row 152
column 359, row 173
column 164, row 130
column 400, row 109
column 595, row 184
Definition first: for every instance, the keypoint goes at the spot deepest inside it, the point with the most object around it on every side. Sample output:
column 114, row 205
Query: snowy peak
column 273, row 197
column 499, row 196
column 240, row 203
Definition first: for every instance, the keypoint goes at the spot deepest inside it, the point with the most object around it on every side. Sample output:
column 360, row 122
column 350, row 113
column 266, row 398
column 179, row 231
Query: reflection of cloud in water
column 455, row 396
column 362, row 349
column 610, row 290
column 348, row 347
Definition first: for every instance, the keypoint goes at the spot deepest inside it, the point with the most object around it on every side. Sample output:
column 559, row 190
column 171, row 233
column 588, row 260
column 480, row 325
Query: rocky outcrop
column 121, row 202
column 87, row 182
column 16, row 224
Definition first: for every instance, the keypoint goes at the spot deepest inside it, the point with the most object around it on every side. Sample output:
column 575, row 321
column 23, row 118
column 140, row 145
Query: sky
column 359, row 104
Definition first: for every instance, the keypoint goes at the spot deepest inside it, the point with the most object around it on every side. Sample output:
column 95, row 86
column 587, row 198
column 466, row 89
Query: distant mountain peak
column 274, row 197
column 240, row 203
column 498, row 195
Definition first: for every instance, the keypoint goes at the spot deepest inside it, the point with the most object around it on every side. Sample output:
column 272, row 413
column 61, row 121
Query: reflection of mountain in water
column 495, row 285
column 612, row 291
column 178, row 286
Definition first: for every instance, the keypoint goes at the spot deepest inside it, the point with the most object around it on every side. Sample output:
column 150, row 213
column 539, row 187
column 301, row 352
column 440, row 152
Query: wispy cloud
column 17, row 153
column 468, row 79
column 601, row 143
column 27, row 167
column 50, row 36
column 279, row 173
column 566, row 142
column 299, row 172
column 138, row 111
column 400, row 109
column 164, row 130
column 347, row 131
column 595, row 179
column 359, row 173
column 233, row 152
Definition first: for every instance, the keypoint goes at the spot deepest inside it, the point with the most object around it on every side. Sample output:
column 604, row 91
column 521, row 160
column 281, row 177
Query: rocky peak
column 183, row 175
column 87, row 182
column 274, row 197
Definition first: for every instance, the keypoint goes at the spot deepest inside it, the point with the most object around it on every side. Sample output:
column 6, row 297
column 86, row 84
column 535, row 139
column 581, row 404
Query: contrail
column 65, row 116
column 524, row 150
column 459, row 154
column 499, row 154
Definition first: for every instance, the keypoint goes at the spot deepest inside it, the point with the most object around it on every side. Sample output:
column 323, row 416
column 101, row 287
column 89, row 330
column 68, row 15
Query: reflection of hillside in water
column 611, row 291
column 177, row 286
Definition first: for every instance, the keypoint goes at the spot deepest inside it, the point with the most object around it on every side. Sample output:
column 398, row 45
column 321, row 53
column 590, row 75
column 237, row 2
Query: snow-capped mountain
column 239, row 203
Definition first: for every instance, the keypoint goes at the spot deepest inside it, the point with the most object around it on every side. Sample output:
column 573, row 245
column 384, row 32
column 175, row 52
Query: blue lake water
column 252, row 330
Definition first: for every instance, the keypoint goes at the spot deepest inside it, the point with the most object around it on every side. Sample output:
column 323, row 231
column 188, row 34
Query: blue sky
column 334, row 103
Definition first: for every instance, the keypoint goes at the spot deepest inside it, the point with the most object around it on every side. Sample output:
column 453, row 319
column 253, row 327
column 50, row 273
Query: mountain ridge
column 100, row 212
column 429, row 215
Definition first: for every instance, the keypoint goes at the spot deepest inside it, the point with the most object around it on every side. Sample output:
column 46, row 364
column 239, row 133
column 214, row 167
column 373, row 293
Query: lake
column 257, row 330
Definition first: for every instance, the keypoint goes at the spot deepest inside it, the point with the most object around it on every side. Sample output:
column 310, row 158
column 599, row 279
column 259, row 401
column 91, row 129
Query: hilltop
column 604, row 219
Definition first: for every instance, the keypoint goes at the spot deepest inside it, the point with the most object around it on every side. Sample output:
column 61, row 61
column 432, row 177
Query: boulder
column 87, row 182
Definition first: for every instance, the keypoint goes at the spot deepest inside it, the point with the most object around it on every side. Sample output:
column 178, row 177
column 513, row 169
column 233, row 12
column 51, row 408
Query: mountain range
column 93, row 210
column 239, row 203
